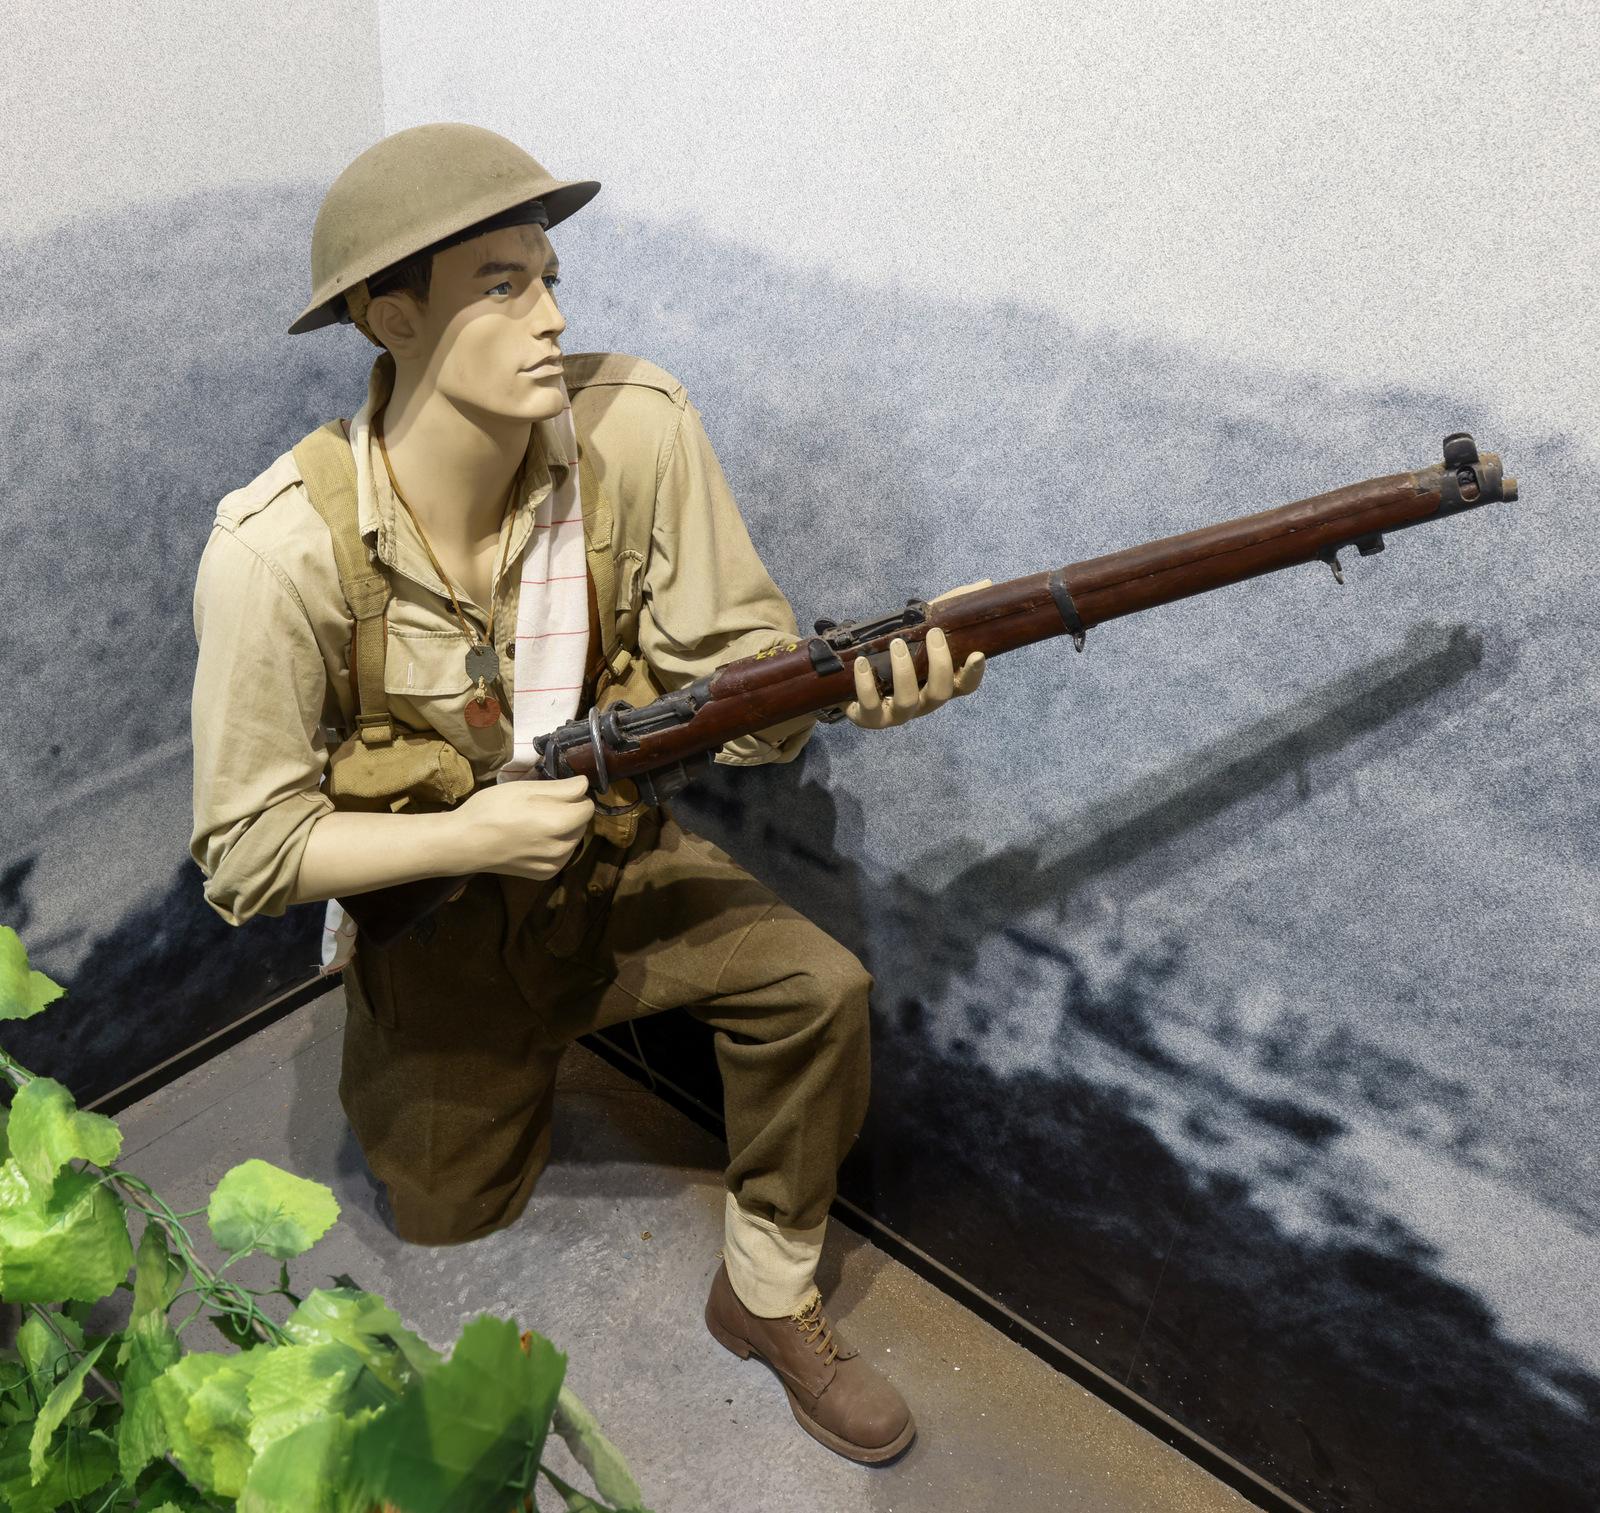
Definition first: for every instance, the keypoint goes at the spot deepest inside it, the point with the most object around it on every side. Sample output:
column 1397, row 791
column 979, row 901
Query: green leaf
column 296, row 1384
column 258, row 1206
column 205, row 1404
column 73, row 1245
column 283, row 1286
column 83, row 1462
column 370, row 1327
column 15, row 1189
column 56, row 1407
column 307, row 1471
column 149, row 1346
column 5, row 1141
column 23, row 993
column 174, row 1490
column 468, row 1432
column 158, row 1275
column 14, row 1400
column 580, row 1430
column 47, row 1130
column 44, row 1353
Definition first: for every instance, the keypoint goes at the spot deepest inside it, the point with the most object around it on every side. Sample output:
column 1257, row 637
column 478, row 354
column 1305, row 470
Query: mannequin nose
column 547, row 319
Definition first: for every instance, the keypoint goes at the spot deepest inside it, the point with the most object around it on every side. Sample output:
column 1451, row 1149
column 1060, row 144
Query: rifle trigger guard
column 1057, row 584
column 602, row 774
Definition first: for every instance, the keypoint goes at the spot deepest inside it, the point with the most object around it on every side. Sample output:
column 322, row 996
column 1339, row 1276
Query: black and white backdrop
column 1234, row 979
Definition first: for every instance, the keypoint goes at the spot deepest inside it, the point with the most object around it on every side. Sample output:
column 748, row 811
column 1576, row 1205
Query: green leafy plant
column 335, row 1408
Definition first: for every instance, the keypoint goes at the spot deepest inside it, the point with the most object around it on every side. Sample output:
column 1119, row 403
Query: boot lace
column 814, row 1327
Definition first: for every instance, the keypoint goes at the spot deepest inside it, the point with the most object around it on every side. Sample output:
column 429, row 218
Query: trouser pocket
column 448, row 957
column 368, row 985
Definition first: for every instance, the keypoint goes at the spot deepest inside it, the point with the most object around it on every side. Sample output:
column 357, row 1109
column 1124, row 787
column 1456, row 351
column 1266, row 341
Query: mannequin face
column 488, row 339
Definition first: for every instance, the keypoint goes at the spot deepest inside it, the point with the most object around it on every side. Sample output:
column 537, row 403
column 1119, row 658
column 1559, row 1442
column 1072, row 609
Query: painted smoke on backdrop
column 126, row 418
column 1078, row 960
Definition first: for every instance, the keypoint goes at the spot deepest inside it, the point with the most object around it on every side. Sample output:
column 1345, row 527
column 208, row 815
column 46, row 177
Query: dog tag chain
column 482, row 662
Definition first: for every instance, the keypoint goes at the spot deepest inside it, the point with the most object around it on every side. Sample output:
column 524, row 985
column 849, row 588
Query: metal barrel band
column 1070, row 617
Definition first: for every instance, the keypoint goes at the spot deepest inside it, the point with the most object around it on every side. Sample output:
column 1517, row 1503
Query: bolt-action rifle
column 660, row 745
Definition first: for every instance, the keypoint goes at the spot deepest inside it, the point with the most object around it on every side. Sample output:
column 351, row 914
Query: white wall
column 107, row 105
column 1386, row 191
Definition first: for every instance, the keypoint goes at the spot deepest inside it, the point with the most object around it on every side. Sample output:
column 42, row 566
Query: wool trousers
column 454, row 1033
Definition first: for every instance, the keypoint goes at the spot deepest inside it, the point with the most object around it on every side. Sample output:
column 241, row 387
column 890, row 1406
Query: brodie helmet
column 413, row 189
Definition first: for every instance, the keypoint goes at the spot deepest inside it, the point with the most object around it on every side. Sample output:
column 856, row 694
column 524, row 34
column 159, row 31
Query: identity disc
column 483, row 662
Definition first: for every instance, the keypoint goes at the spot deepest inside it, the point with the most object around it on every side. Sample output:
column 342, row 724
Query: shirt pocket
column 425, row 677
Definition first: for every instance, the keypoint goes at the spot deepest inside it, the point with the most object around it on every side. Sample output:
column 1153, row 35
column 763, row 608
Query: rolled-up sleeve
column 707, row 597
column 256, row 718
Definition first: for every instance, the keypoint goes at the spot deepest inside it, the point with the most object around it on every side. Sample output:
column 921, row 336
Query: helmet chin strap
column 356, row 300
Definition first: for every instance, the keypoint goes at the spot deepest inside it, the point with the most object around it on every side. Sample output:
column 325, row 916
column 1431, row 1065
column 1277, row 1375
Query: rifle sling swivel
column 1057, row 584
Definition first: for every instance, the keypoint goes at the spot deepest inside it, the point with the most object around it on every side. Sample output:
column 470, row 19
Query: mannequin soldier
column 477, row 442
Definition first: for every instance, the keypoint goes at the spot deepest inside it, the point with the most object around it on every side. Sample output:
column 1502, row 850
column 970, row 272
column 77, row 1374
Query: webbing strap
column 602, row 568
column 328, row 469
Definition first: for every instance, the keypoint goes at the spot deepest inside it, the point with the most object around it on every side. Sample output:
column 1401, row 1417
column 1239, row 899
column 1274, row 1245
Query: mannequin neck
column 454, row 466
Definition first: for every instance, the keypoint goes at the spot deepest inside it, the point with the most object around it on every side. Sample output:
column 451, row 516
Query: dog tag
column 483, row 663
column 483, row 712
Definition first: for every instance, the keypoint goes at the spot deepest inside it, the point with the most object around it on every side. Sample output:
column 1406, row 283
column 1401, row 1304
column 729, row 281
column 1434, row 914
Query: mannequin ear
column 395, row 320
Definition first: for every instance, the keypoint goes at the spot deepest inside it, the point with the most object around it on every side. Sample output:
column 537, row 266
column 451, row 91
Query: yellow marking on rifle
column 772, row 651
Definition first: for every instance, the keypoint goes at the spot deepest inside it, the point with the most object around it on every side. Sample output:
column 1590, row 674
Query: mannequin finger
column 971, row 674
column 867, row 710
column 907, row 695
column 867, row 694
column 940, row 684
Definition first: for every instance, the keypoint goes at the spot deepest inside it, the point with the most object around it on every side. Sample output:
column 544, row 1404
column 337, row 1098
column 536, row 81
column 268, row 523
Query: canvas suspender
column 329, row 472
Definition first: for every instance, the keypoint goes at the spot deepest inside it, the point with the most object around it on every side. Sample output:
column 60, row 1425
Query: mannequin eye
column 551, row 280
column 498, row 287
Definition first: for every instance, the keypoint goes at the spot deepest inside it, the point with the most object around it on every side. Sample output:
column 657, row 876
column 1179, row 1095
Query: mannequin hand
column 527, row 829
column 906, row 700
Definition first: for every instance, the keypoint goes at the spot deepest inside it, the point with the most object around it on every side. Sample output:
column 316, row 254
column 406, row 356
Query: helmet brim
column 559, row 201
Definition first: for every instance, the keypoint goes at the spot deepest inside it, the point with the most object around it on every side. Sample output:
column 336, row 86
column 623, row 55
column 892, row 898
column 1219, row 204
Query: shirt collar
column 552, row 443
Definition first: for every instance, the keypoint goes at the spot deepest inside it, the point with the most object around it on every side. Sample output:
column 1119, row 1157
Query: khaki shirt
column 272, row 687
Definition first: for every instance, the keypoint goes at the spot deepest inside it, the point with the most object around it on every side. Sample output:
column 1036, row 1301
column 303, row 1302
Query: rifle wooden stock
column 817, row 673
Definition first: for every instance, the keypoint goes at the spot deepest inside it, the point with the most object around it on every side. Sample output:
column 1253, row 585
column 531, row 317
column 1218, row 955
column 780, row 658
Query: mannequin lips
column 548, row 365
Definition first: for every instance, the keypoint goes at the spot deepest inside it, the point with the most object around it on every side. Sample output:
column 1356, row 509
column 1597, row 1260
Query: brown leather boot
column 836, row 1396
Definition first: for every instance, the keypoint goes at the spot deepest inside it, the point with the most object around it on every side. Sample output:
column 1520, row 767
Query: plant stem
column 227, row 1297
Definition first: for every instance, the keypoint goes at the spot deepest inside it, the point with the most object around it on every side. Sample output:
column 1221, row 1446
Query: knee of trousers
column 840, row 988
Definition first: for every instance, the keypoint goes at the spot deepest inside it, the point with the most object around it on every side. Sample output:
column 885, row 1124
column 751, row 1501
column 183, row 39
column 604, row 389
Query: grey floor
column 998, row 1428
